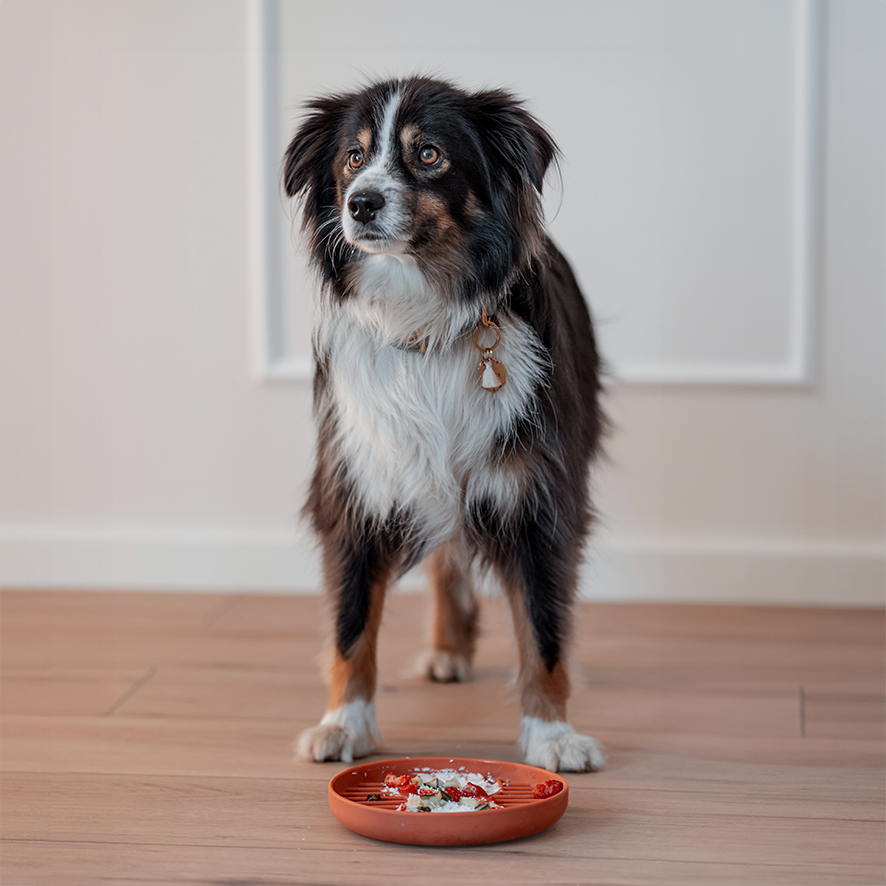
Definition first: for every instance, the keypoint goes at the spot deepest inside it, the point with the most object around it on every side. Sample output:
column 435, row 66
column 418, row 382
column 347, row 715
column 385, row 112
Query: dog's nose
column 365, row 205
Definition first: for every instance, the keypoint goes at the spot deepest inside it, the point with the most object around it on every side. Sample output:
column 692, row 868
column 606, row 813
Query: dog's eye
column 355, row 159
column 429, row 155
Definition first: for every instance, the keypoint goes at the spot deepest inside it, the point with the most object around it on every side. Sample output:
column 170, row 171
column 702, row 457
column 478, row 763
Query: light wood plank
column 357, row 860
column 844, row 715
column 206, row 809
column 202, row 746
column 68, row 691
column 210, row 812
column 175, row 691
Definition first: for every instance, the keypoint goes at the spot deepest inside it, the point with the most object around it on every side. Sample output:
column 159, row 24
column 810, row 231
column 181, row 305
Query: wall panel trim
column 273, row 363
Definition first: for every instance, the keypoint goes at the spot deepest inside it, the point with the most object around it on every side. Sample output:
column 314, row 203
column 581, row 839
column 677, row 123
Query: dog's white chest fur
column 417, row 430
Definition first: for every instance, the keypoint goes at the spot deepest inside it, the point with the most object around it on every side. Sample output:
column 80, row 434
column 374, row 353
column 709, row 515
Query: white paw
column 558, row 747
column 344, row 734
column 444, row 667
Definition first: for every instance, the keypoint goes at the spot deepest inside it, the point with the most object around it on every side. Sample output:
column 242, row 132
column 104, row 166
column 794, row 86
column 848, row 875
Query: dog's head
column 421, row 168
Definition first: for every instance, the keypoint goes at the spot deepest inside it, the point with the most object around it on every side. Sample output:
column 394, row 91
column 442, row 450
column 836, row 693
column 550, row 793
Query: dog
column 456, row 392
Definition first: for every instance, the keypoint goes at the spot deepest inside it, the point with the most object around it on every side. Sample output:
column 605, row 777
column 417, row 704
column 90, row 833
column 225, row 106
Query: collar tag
column 491, row 372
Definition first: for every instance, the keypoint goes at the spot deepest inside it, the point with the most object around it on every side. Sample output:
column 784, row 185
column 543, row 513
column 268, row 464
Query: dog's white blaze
column 387, row 133
column 417, row 429
column 393, row 221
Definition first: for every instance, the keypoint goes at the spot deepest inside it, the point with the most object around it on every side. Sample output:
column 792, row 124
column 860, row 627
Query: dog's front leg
column 547, row 739
column 357, row 580
column 540, row 580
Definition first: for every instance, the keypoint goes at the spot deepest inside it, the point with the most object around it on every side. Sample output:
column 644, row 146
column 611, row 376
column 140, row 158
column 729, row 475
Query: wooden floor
column 146, row 739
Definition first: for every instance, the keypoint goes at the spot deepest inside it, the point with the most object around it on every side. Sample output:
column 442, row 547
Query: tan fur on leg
column 348, row 728
column 547, row 739
column 455, row 617
column 543, row 693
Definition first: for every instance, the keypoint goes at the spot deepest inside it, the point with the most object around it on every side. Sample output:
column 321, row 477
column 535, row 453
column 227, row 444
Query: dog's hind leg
column 358, row 581
column 455, row 616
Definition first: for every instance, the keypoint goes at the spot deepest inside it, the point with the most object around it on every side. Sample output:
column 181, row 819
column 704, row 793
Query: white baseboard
column 145, row 560
column 786, row 572
column 775, row 572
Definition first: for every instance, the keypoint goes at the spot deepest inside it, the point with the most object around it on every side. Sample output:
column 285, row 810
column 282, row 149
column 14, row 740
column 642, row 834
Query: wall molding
column 272, row 362
column 828, row 572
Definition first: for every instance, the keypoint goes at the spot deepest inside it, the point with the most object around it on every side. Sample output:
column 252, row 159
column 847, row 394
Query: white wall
column 137, row 448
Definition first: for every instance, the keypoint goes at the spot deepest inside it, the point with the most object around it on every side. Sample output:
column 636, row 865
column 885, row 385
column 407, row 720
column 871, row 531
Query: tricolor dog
column 456, row 392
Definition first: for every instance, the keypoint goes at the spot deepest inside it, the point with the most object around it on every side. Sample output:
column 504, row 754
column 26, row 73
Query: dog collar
column 491, row 373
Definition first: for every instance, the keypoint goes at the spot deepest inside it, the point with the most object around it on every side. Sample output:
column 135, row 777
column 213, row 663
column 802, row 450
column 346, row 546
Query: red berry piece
column 474, row 790
column 548, row 789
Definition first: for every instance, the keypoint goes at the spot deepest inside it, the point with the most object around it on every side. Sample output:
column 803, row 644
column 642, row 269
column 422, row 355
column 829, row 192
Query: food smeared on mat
column 443, row 790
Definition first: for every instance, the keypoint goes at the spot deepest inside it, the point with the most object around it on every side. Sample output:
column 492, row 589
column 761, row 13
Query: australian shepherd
column 456, row 391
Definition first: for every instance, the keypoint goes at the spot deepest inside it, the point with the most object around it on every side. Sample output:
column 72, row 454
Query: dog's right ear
column 307, row 164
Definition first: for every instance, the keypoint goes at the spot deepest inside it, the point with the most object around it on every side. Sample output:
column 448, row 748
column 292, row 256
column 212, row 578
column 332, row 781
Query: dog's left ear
column 515, row 142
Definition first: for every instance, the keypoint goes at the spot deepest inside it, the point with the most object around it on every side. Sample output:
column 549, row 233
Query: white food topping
column 433, row 797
